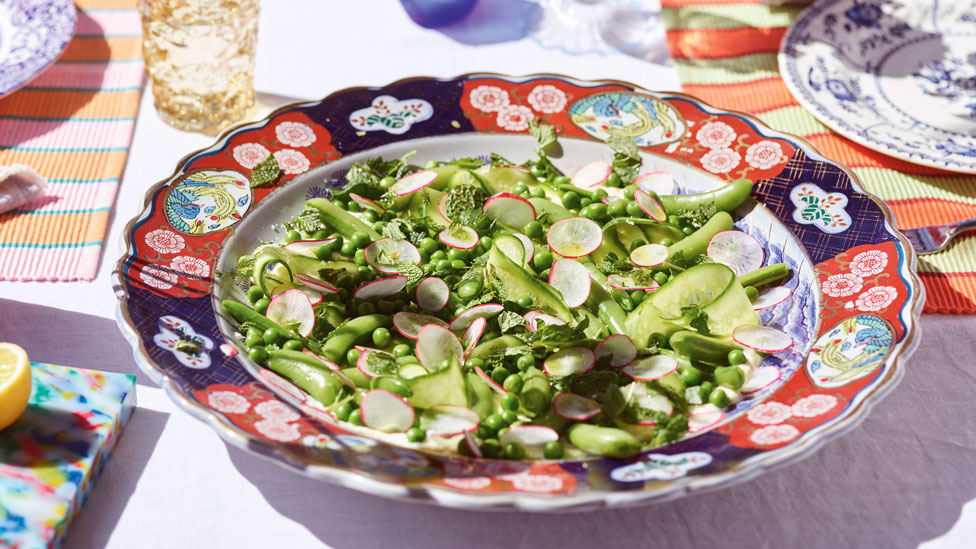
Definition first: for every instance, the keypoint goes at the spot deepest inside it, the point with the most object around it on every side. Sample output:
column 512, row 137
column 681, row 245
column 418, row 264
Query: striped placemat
column 73, row 125
column 725, row 53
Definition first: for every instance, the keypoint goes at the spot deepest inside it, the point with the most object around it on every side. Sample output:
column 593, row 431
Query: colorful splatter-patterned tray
column 853, row 315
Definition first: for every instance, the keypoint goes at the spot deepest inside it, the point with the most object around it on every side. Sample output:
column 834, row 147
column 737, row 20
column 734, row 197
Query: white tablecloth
column 903, row 478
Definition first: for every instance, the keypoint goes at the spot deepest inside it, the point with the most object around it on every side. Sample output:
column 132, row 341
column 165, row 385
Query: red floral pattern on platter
column 257, row 411
column 724, row 145
column 297, row 143
column 537, row 477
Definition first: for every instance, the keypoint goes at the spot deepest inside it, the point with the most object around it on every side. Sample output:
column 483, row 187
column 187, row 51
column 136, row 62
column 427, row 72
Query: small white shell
column 19, row 185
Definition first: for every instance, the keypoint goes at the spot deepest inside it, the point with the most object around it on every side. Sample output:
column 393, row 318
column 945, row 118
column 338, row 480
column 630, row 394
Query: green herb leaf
column 545, row 134
column 308, row 222
column 266, row 172
column 626, row 158
column 509, row 320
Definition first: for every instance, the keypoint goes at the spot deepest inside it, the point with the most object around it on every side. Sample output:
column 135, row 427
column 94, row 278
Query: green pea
column 391, row 384
column 537, row 192
column 258, row 354
column 510, row 401
column 524, row 301
column 343, row 410
column 570, row 200
column 360, row 258
column 353, row 206
column 561, row 180
column 752, row 293
column 525, row 362
column 359, row 239
column 340, row 204
column 352, row 355
column 476, row 362
column 552, row 450
column 705, row 389
column 272, row 336
column 665, row 241
column 416, row 434
column 636, row 296
column 366, row 308
column 729, row 376
column 584, row 202
column 401, row 350
column 633, row 210
column 292, row 236
column 428, row 245
column 690, row 375
column 491, row 448
column 661, row 278
column 599, row 195
column 442, row 264
column 430, row 164
column 509, row 416
column 598, row 211
column 253, row 340
column 355, row 417
column 254, row 293
column 458, row 264
column 737, row 357
column 542, row 260
column 346, row 281
column 520, row 189
column 514, row 450
column 613, row 180
column 485, row 242
column 629, row 191
column 718, row 398
column 385, row 307
column 512, row 383
column 534, row 230
column 381, row 337
column 688, row 230
column 455, row 253
column 488, row 336
column 468, row 289
column 261, row 305
column 369, row 216
column 347, row 249
column 320, row 234
column 324, row 251
column 438, row 255
column 626, row 304
column 499, row 374
column 293, row 345
column 617, row 208
column 495, row 422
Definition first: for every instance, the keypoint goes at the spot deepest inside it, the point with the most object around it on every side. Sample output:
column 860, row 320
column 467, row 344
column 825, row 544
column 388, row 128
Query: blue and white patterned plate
column 897, row 77
column 33, row 34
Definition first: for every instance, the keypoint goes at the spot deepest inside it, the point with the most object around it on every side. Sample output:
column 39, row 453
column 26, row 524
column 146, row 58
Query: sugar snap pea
column 307, row 372
column 357, row 330
column 725, row 198
column 536, row 392
column 765, row 275
column 695, row 244
column 242, row 313
column 703, row 348
column 603, row 441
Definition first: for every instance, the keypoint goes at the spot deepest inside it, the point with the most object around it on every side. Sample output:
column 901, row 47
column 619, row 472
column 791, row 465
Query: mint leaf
column 266, row 172
column 545, row 134
column 626, row 158
column 509, row 320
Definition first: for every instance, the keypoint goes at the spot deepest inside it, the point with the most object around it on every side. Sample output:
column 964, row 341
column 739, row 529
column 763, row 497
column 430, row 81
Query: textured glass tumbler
column 200, row 60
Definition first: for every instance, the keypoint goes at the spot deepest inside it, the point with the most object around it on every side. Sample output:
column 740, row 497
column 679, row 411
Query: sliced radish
column 536, row 317
column 305, row 247
column 532, row 437
column 432, row 293
column 314, row 295
column 460, row 237
column 412, row 183
column 491, row 382
column 649, row 205
column 519, row 168
column 770, row 297
column 510, row 209
column 627, row 282
column 366, row 203
column 444, row 420
column 485, row 310
column 513, row 248
column 527, row 245
column 473, row 445
column 760, row 379
column 572, row 280
column 574, row 237
column 651, row 368
column 649, row 255
column 384, row 254
column 442, row 207
column 592, row 174
column 385, row 411
column 292, row 306
column 573, row 360
column 619, row 348
column 613, row 194
column 655, row 182
column 703, row 417
column 435, row 345
column 473, row 334
column 573, row 406
column 316, row 283
column 375, row 363
column 737, row 250
column 410, row 324
column 762, row 338
column 383, row 287
column 648, row 399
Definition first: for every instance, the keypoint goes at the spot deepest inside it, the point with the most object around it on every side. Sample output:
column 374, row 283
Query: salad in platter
column 513, row 311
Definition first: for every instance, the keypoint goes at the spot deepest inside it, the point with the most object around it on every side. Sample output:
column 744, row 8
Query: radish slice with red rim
column 410, row 324
column 532, row 437
column 704, row 417
column 385, row 411
column 306, row 247
column 573, row 406
column 627, row 282
column 592, row 174
column 762, row 338
column 572, row 280
column 375, row 363
column 619, row 348
column 527, row 245
column 573, row 360
column 491, row 382
column 366, row 203
column 292, row 306
column 651, row 368
column 460, row 237
column 769, row 297
column 436, row 345
column 383, row 287
column 485, row 310
column 473, row 334
column 384, row 254
column 537, row 319
column 650, row 205
column 314, row 295
column 760, row 379
column 574, row 237
column 473, row 445
column 444, row 420
column 316, row 283
column 649, row 255
column 442, row 207
column 510, row 209
column 655, row 182
column 432, row 294
column 412, row 183
column 736, row 250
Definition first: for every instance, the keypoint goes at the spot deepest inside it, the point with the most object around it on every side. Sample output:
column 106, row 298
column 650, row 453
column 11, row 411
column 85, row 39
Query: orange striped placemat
column 725, row 52
column 73, row 125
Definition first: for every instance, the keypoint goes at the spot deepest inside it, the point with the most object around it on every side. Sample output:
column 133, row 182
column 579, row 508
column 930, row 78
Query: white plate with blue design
column 32, row 36
column 897, row 77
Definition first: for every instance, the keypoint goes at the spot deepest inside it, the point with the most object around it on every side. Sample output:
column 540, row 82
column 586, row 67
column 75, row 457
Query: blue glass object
column 437, row 13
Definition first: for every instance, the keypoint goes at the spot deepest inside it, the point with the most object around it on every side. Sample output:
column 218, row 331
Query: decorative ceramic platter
column 894, row 76
column 32, row 36
column 853, row 315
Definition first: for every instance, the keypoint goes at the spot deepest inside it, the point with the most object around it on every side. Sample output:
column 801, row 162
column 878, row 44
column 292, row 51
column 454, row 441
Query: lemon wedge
column 15, row 383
